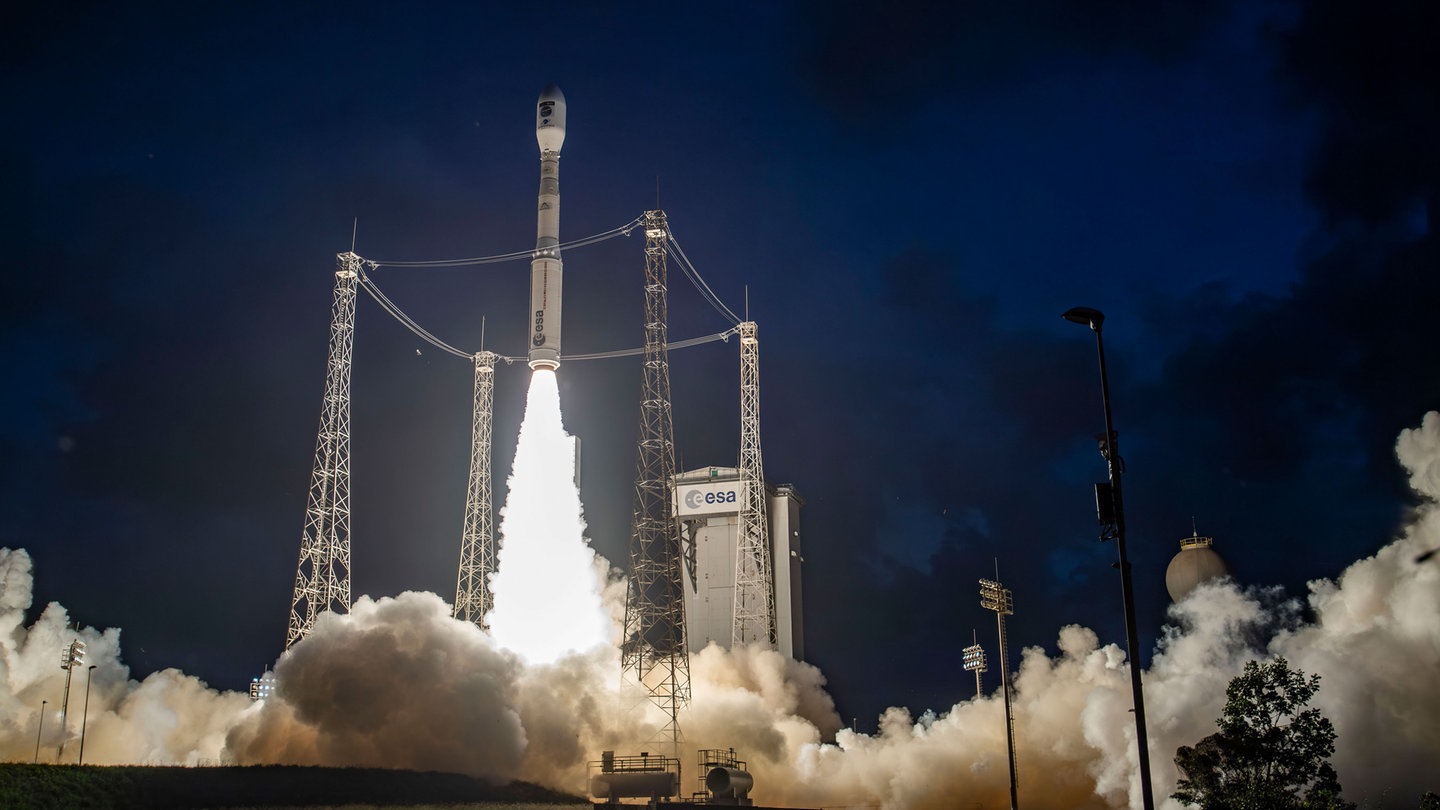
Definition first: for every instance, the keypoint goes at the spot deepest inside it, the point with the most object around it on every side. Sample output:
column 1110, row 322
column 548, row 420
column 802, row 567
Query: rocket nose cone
column 550, row 118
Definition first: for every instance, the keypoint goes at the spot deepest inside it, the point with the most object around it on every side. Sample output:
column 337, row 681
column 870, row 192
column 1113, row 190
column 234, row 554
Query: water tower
column 1197, row 562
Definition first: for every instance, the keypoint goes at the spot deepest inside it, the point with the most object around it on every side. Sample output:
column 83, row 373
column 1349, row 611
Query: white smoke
column 399, row 682
column 168, row 717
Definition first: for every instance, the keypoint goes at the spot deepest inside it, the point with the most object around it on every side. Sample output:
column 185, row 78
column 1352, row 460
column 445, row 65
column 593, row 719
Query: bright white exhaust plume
column 547, row 595
column 399, row 682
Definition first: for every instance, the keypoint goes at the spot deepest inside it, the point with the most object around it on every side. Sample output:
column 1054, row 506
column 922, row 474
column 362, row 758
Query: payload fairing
column 546, row 269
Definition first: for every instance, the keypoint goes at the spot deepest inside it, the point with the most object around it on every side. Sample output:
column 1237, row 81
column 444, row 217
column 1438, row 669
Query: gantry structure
column 322, row 578
column 654, row 647
column 654, row 651
column 473, row 598
column 754, row 616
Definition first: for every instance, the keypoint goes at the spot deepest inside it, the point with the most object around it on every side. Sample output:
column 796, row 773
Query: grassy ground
column 479, row 806
column 66, row 787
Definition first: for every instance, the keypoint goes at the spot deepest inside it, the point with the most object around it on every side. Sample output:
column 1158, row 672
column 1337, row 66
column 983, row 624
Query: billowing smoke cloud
column 391, row 684
column 399, row 682
column 169, row 717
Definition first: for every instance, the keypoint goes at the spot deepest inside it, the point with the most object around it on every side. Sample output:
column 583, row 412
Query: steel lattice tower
column 754, row 578
column 655, row 652
column 322, row 579
column 473, row 599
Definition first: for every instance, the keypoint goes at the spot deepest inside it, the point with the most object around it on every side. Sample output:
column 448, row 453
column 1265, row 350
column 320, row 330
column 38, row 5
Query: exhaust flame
column 547, row 593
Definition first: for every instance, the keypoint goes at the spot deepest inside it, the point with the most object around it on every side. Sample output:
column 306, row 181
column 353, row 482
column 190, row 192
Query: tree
column 1271, row 752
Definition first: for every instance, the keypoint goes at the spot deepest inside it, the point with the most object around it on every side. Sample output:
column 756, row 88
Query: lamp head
column 1092, row 318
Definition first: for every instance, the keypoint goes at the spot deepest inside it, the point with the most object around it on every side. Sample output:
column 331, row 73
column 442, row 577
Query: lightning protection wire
column 623, row 230
column 679, row 344
column 673, row 248
column 408, row 322
column 424, row 334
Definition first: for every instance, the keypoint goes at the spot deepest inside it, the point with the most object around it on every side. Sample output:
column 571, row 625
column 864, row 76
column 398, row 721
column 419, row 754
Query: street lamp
column 85, row 715
column 40, row 729
column 1109, row 505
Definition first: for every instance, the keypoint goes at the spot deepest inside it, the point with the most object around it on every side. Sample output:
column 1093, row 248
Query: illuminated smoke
column 399, row 682
column 394, row 683
column 547, row 594
column 169, row 717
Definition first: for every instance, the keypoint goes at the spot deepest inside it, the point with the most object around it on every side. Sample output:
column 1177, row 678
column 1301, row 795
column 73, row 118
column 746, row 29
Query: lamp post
column 1110, row 506
column 85, row 715
column 43, row 703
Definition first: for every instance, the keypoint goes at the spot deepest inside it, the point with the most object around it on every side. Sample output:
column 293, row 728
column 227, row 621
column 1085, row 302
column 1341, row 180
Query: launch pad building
column 707, row 506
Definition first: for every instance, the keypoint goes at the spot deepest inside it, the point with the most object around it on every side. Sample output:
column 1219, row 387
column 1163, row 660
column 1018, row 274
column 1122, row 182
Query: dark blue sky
column 912, row 194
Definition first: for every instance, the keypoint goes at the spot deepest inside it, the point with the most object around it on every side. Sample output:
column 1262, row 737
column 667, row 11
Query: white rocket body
column 546, row 269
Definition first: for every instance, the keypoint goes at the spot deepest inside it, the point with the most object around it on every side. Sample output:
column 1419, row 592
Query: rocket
column 545, row 264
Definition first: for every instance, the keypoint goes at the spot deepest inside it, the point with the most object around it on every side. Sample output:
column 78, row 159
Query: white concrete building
column 707, row 505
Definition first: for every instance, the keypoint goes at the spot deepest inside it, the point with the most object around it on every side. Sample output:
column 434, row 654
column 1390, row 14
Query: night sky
column 911, row 194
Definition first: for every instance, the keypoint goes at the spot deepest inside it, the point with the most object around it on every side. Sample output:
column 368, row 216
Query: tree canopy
column 1272, row 750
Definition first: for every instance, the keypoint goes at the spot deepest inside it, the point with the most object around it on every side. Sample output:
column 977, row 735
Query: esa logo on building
column 694, row 499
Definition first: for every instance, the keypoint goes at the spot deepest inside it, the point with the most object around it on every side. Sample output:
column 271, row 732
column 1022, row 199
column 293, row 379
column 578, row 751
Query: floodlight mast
column 73, row 656
column 972, row 659
column 996, row 597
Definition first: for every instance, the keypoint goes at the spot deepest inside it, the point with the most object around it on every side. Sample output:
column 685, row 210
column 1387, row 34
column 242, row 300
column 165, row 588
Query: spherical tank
column 1197, row 562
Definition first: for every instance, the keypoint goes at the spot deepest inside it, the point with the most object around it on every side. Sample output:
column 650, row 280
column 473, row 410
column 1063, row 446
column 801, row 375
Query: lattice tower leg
column 473, row 599
column 754, row 578
column 322, row 578
column 655, row 652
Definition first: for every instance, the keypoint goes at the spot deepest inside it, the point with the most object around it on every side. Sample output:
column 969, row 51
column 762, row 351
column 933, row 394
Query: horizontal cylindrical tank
column 729, row 783
column 634, row 784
